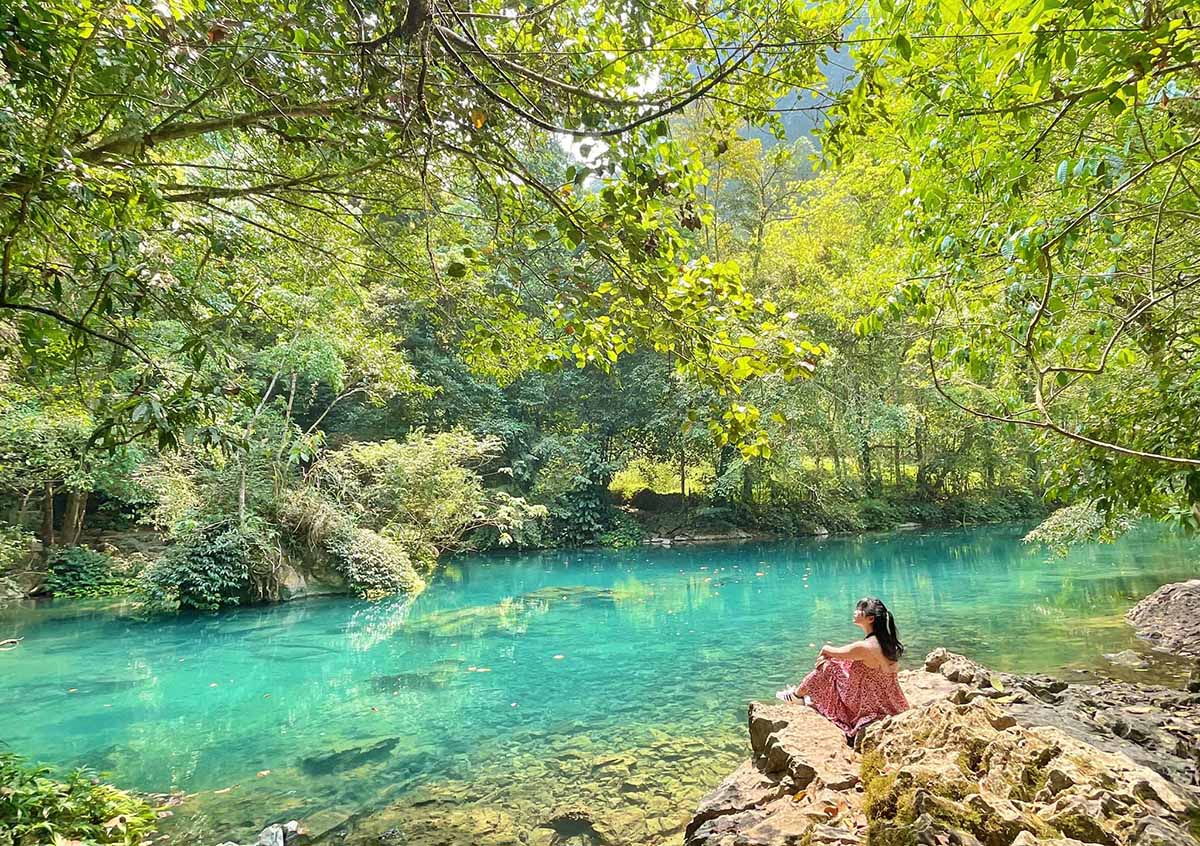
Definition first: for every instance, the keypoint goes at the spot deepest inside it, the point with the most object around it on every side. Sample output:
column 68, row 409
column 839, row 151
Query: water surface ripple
column 520, row 684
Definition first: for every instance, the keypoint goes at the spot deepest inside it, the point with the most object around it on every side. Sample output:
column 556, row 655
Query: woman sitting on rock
column 856, row 684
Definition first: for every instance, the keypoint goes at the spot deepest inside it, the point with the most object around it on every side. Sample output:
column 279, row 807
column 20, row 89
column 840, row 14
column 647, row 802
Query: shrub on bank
column 837, row 513
column 79, row 572
column 208, row 567
column 15, row 544
column 37, row 809
column 374, row 565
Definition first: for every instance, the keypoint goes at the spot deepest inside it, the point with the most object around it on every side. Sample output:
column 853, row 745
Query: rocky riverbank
column 981, row 758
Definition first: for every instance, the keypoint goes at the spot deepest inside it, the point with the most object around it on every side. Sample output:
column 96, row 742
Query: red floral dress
column 852, row 695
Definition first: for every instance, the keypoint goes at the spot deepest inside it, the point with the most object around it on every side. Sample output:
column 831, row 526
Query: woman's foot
column 789, row 694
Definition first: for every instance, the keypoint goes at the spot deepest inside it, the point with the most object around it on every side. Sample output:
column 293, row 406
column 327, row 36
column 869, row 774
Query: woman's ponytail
column 884, row 628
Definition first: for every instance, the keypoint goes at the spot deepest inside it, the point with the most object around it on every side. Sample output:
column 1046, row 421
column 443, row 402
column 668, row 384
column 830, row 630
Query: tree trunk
column 682, row 474
column 747, row 484
column 864, row 457
column 47, row 532
column 896, row 463
column 834, row 451
column 241, row 493
column 919, row 452
column 73, row 518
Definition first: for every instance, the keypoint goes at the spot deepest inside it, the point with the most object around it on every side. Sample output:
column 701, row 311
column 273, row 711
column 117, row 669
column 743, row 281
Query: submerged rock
column 1127, row 658
column 1168, row 618
column 290, row 833
column 348, row 759
column 981, row 759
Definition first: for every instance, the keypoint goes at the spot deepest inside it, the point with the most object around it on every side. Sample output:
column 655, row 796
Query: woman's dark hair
column 884, row 628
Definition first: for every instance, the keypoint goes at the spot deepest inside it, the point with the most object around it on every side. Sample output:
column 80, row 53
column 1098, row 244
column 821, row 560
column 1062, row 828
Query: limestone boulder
column 971, row 770
column 1167, row 618
column 802, row 781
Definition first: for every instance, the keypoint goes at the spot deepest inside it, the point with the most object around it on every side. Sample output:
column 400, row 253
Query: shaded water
column 520, row 686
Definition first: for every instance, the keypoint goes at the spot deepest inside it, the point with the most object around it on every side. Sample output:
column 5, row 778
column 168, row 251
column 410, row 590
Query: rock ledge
column 981, row 759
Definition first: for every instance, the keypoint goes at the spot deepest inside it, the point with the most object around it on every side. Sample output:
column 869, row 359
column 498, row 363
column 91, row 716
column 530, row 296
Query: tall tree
column 1050, row 154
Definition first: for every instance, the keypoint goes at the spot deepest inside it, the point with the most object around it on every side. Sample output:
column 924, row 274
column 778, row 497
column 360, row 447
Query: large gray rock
column 973, row 770
column 801, row 781
column 1170, row 618
column 981, row 759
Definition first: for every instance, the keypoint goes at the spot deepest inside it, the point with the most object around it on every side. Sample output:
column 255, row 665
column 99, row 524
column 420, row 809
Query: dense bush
column 14, row 546
column 836, row 511
column 374, row 565
column 424, row 493
column 36, row 809
column 581, row 517
column 77, row 571
column 1080, row 523
column 210, row 566
column 623, row 533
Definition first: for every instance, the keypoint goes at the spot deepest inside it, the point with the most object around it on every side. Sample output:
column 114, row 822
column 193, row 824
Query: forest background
column 341, row 286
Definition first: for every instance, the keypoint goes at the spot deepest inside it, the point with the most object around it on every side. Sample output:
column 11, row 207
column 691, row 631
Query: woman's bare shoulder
column 872, row 646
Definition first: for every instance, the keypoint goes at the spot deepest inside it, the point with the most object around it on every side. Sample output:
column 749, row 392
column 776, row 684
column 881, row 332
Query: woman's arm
column 857, row 651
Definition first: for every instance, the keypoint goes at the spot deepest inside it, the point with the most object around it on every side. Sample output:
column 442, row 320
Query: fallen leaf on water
column 226, row 789
column 214, row 684
column 484, row 670
column 375, row 709
column 760, row 574
column 559, row 657
column 72, row 690
column 262, row 773
column 266, row 696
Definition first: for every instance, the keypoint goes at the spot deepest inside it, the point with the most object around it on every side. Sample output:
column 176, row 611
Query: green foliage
column 424, row 493
column 1050, row 226
column 373, row 564
column 624, row 532
column 173, row 233
column 581, row 517
column 1079, row 523
column 80, row 572
column 209, row 567
column 14, row 546
column 37, row 809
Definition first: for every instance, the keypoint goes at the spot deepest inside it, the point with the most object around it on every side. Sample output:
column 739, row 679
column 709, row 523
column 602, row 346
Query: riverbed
column 520, row 690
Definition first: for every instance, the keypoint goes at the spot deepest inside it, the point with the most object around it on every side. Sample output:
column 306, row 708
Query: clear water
column 518, row 686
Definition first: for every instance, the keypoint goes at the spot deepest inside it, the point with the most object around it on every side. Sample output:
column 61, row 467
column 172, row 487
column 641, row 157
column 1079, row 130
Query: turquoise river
column 518, row 689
